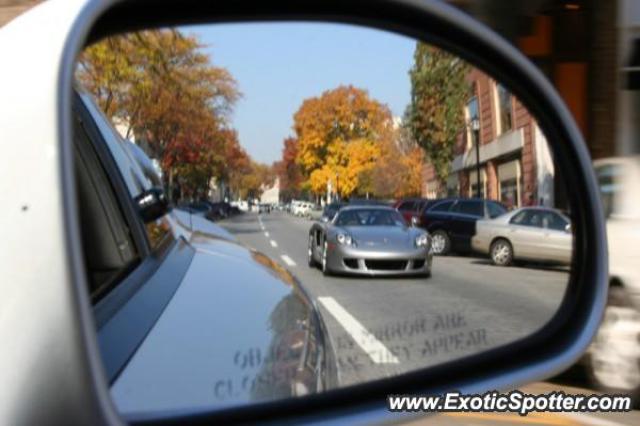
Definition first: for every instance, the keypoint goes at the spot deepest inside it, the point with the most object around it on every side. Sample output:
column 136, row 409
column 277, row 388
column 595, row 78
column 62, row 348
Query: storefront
column 473, row 182
column 510, row 183
column 453, row 185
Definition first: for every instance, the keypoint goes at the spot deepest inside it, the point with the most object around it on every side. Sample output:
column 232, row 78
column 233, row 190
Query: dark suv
column 452, row 222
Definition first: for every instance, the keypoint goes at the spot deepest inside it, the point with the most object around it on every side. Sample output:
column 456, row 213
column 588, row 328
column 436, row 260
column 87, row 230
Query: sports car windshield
column 370, row 217
column 331, row 210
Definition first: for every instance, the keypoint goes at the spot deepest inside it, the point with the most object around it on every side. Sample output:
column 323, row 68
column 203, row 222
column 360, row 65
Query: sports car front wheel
column 325, row 253
column 310, row 259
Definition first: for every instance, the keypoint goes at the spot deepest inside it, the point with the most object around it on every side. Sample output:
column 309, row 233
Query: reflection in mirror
column 350, row 205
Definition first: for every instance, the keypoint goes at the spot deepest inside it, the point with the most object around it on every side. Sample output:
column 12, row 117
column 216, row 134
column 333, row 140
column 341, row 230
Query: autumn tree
column 289, row 171
column 398, row 170
column 435, row 115
column 338, row 137
column 249, row 180
column 166, row 91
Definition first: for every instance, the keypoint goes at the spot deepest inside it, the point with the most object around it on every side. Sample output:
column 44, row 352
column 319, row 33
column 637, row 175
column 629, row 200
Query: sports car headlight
column 344, row 239
column 422, row 240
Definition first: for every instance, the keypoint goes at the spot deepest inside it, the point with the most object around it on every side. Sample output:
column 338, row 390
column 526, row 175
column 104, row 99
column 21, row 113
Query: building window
column 509, row 179
column 473, row 182
column 505, row 113
column 431, row 190
column 471, row 112
column 453, row 186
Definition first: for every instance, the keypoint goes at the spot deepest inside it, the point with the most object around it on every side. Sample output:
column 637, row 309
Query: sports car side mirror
column 152, row 204
column 415, row 221
column 268, row 364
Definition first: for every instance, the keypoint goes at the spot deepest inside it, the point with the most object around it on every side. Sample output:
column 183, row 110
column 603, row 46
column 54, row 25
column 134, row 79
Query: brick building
column 515, row 165
column 584, row 48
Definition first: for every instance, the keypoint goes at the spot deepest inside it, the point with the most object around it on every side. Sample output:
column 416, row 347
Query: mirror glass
column 347, row 205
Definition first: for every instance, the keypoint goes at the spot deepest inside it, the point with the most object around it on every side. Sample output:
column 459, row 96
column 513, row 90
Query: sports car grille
column 385, row 265
column 351, row 263
column 418, row 263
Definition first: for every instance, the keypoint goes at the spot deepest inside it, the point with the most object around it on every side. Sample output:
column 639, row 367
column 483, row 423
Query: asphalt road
column 386, row 326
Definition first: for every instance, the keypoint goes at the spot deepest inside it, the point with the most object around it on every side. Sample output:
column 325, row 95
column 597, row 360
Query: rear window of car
column 442, row 207
column 519, row 218
column 473, row 208
column 495, row 209
column 407, row 205
column 554, row 221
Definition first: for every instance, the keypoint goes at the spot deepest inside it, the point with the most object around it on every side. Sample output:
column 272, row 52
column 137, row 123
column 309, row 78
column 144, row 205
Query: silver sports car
column 530, row 233
column 369, row 240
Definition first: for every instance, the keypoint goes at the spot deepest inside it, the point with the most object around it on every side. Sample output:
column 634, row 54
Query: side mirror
column 567, row 228
column 415, row 221
column 485, row 357
column 152, row 204
column 324, row 219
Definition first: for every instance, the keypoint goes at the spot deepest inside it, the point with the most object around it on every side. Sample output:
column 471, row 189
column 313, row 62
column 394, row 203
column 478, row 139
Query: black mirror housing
column 152, row 204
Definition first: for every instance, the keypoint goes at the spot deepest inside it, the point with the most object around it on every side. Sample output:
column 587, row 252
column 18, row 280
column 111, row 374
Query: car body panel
column 528, row 242
column 274, row 350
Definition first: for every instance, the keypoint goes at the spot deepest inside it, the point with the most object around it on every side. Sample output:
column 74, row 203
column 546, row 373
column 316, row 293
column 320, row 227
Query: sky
column 278, row 65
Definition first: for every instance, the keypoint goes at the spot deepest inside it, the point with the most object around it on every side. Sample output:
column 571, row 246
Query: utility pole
column 475, row 127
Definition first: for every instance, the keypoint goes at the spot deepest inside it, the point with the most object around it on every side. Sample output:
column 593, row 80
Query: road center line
column 273, row 244
column 288, row 260
column 378, row 352
column 266, row 234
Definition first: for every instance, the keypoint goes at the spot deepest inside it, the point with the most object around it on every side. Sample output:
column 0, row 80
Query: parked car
column 529, row 233
column 369, row 240
column 219, row 210
column 198, row 208
column 413, row 207
column 451, row 222
column 613, row 359
column 316, row 212
column 264, row 208
column 301, row 209
column 293, row 206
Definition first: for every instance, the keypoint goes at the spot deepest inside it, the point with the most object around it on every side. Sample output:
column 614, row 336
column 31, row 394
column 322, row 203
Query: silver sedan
column 370, row 240
column 530, row 233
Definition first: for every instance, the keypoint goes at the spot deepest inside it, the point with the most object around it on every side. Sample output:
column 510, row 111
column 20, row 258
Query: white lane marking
column 266, row 234
column 273, row 243
column 378, row 352
column 289, row 261
column 591, row 420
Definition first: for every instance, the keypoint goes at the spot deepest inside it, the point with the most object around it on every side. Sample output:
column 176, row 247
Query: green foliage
column 435, row 115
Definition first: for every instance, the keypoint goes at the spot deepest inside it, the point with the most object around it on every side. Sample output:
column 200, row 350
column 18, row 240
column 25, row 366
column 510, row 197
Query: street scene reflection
column 404, row 203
